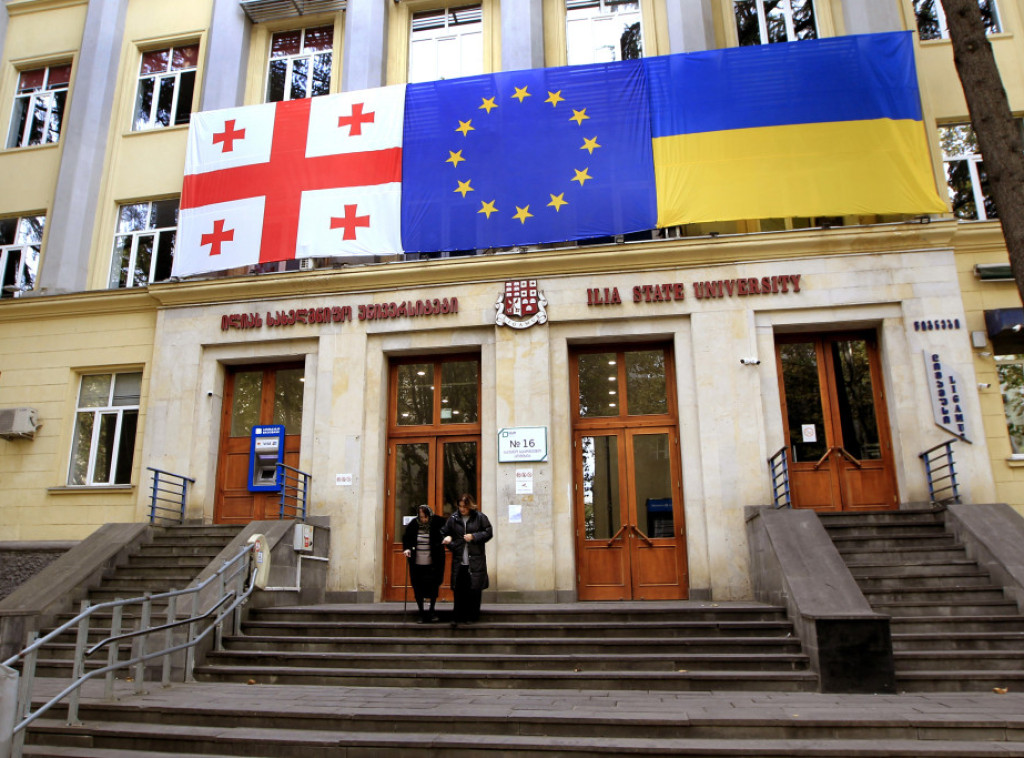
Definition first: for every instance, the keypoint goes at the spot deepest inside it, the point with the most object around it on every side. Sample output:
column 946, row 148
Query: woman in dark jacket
column 423, row 549
column 465, row 534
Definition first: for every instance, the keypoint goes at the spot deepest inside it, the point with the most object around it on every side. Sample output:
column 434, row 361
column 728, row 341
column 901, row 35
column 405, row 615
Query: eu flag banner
column 527, row 157
column 811, row 128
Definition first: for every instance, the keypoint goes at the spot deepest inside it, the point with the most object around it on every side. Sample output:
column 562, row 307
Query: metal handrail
column 294, row 486
column 175, row 484
column 778, row 467
column 232, row 571
column 940, row 468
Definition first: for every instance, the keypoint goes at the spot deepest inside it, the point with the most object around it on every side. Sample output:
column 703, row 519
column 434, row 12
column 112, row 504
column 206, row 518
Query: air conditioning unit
column 18, row 423
column 307, row 264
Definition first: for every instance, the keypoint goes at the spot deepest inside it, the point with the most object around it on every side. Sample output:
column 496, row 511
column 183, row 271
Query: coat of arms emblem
column 521, row 305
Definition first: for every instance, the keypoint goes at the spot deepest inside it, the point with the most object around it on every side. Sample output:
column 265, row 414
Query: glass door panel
column 412, row 482
column 856, row 400
column 652, row 476
column 460, row 475
column 602, row 515
column 805, row 416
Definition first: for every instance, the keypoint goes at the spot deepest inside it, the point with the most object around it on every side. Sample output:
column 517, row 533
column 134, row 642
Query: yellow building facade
column 128, row 370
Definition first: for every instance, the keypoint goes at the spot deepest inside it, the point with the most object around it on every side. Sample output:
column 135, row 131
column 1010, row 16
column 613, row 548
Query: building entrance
column 630, row 536
column 433, row 452
column 255, row 396
column 836, row 423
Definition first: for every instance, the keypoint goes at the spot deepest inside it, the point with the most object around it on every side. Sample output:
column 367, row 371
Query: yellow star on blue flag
column 523, row 155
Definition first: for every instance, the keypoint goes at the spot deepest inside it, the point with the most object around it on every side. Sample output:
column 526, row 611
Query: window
column 144, row 243
column 20, row 242
column 931, row 19
column 300, row 64
column 1011, row 384
column 598, row 31
column 760, row 22
column 966, row 181
column 39, row 106
column 167, row 79
column 446, row 43
column 105, row 423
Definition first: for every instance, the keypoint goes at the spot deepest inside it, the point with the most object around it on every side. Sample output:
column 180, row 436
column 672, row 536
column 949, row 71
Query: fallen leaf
column 1000, row 690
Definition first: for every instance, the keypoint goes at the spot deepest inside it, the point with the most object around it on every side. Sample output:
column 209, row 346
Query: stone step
column 902, row 516
column 676, row 681
column 960, row 596
column 956, row 660
column 119, row 734
column 902, row 556
column 896, row 541
column 886, row 530
column 950, row 579
column 225, row 532
column 959, row 681
column 569, row 614
column 173, row 551
column 939, row 608
column 950, row 625
column 184, row 540
column 623, row 631
column 158, row 581
column 919, row 567
column 1009, row 641
column 498, row 664
column 143, row 562
column 522, row 645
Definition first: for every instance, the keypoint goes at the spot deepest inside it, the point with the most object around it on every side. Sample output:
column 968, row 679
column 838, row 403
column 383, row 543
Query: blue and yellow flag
column 811, row 128
column 526, row 157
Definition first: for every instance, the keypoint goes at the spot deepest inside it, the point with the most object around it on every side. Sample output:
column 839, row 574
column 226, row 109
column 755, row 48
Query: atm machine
column 266, row 450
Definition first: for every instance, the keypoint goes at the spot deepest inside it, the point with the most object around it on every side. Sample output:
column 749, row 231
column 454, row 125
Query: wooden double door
column 255, row 396
column 630, row 534
column 836, row 422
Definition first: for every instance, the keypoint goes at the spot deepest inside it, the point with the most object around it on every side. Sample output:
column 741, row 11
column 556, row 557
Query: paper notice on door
column 810, row 432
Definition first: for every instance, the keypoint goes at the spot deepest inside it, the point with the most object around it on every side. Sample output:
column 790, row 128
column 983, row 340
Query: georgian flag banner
column 559, row 154
column 314, row 177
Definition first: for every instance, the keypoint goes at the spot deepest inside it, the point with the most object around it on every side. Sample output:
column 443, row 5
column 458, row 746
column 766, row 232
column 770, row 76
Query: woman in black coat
column 465, row 534
column 422, row 547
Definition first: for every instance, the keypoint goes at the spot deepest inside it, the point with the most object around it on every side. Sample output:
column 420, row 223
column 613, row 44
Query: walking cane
column 405, row 591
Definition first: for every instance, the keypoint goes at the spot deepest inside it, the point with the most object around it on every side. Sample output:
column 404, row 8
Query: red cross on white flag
column 317, row 177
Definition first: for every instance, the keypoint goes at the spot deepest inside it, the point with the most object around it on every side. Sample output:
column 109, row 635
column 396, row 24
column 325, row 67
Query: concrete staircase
column 286, row 721
column 174, row 558
column 953, row 628
column 651, row 646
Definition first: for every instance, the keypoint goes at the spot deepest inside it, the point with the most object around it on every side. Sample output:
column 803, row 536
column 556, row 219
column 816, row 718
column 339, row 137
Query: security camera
column 750, row 361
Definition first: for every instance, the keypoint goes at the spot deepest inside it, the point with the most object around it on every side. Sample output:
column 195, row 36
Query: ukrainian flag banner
column 525, row 157
column 811, row 128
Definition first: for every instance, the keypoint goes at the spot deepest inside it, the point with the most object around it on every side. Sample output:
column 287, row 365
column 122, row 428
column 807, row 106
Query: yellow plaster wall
column 982, row 243
column 46, row 347
column 38, row 34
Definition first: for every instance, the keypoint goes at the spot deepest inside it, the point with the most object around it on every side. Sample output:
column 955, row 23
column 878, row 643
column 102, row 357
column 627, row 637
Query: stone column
column 364, row 63
column 690, row 26
column 522, row 34
column 87, row 123
column 227, row 53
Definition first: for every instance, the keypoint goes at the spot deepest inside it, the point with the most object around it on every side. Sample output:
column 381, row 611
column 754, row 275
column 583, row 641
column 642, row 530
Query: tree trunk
column 999, row 135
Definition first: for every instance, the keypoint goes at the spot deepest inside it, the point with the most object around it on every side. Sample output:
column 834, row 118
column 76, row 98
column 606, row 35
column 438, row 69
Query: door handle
column 824, row 457
column 850, row 458
column 642, row 536
column 615, row 536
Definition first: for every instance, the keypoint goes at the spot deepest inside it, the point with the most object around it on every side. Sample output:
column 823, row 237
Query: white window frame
column 786, row 7
column 112, row 410
column 290, row 61
column 23, row 254
column 46, row 99
column 133, row 234
column 596, row 20
column 1017, row 418
column 432, row 44
column 150, row 120
column 940, row 19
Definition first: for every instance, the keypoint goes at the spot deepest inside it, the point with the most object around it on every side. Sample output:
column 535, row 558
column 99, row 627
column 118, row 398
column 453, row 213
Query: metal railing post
column 113, row 653
column 78, row 667
column 172, row 605
column 140, row 667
